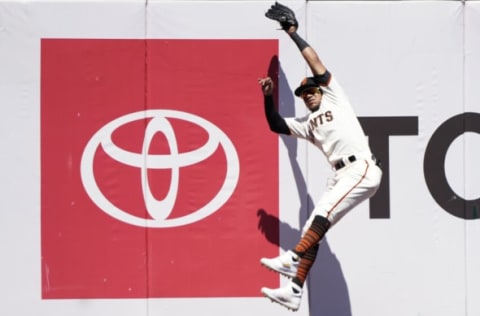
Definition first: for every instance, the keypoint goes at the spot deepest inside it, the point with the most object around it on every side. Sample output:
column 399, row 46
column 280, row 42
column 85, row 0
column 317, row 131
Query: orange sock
column 306, row 262
column 314, row 234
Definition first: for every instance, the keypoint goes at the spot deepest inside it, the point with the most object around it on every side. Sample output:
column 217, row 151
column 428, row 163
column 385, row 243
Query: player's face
column 312, row 98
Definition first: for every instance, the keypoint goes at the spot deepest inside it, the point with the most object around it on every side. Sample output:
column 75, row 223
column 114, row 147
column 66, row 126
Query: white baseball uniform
column 336, row 131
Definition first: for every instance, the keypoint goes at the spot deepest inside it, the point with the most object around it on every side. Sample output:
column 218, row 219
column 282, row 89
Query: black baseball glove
column 282, row 14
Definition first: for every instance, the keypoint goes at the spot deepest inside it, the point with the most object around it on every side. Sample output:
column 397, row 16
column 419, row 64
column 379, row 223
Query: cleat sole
column 279, row 303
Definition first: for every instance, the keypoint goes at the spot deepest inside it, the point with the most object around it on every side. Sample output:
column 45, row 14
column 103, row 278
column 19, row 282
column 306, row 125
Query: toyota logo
column 159, row 210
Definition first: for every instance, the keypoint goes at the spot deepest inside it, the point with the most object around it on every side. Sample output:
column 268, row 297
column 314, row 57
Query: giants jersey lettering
column 334, row 127
column 319, row 119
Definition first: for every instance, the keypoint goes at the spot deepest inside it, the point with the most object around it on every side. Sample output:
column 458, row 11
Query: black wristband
column 301, row 43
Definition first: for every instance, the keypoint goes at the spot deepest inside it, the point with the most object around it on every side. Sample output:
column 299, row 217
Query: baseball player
column 333, row 127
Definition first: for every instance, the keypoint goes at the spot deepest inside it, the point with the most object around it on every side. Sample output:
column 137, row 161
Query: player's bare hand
column 267, row 85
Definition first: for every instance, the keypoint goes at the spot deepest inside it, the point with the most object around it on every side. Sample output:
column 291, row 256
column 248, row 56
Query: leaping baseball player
column 333, row 127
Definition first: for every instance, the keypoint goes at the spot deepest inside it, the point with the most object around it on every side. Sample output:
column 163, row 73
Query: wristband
column 300, row 42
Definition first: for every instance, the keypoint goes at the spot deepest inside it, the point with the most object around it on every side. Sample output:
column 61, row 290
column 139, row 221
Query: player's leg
column 298, row 263
column 351, row 187
column 291, row 294
column 288, row 263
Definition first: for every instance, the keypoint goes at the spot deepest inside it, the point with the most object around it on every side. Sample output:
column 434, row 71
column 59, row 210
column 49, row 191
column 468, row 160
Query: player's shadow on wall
column 328, row 291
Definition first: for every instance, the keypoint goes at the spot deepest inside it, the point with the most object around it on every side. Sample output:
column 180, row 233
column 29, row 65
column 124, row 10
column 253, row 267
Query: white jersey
column 334, row 127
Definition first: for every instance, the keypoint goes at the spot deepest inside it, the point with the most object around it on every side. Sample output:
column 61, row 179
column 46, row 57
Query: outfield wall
column 139, row 176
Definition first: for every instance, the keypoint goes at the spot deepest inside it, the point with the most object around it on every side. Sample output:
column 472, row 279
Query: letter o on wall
column 434, row 165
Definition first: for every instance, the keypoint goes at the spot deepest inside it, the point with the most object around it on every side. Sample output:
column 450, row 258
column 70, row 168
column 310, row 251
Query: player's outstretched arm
column 286, row 17
column 308, row 53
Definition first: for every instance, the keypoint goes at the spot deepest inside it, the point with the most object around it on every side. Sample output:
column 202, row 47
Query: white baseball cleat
column 288, row 296
column 286, row 264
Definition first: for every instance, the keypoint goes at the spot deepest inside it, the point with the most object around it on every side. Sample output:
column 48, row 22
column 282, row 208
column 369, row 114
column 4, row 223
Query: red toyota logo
column 152, row 177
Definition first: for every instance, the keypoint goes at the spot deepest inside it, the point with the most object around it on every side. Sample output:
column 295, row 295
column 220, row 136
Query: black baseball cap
column 306, row 84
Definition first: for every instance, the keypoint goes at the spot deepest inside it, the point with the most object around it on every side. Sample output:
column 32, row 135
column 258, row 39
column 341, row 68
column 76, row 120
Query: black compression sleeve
column 276, row 123
column 300, row 42
column 322, row 80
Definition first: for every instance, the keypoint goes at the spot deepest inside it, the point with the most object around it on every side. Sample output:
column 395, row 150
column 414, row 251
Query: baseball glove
column 282, row 14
